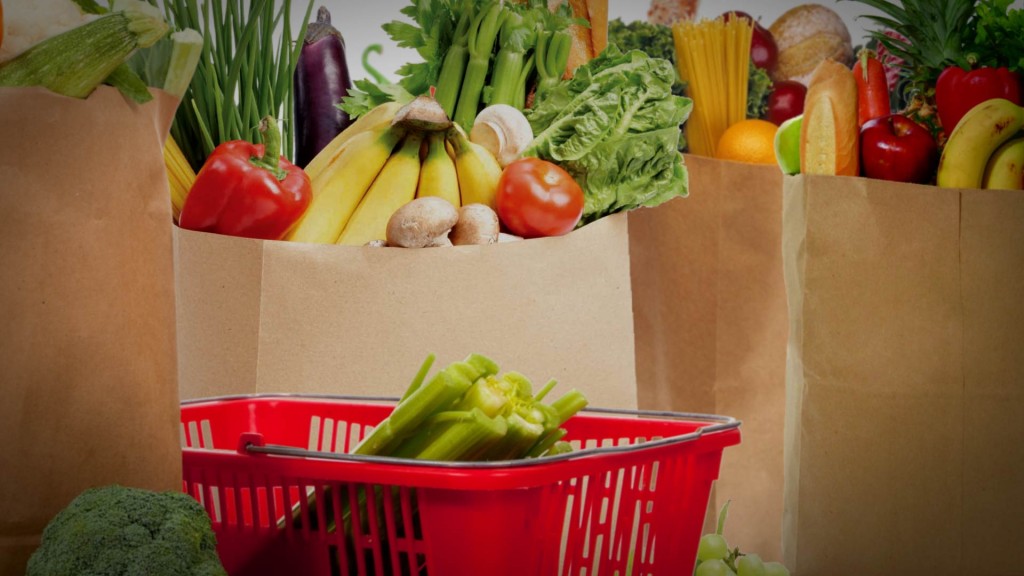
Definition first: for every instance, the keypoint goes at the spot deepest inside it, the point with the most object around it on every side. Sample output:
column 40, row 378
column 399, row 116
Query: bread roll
column 805, row 36
column 829, row 139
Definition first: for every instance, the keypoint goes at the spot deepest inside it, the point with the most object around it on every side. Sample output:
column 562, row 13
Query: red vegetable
column 872, row 88
column 958, row 90
column 321, row 80
column 538, row 198
column 242, row 191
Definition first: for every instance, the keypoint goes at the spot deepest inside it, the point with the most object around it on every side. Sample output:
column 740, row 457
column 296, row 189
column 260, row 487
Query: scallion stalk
column 244, row 72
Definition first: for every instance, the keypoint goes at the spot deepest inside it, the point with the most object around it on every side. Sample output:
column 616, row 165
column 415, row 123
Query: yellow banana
column 438, row 176
column 374, row 119
column 394, row 187
column 338, row 190
column 477, row 168
column 1005, row 169
column 973, row 141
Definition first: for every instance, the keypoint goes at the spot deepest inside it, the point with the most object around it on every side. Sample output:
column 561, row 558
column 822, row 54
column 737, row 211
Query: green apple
column 787, row 145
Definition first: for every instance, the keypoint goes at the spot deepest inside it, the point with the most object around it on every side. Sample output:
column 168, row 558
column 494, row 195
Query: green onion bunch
column 244, row 74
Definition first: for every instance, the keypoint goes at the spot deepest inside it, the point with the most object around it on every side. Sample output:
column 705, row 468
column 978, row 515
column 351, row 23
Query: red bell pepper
column 958, row 90
column 872, row 88
column 247, row 190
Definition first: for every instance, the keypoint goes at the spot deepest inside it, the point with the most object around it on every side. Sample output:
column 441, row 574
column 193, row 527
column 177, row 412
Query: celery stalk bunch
column 475, row 53
column 468, row 411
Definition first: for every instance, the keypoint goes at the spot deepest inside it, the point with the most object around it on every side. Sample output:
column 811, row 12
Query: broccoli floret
column 120, row 531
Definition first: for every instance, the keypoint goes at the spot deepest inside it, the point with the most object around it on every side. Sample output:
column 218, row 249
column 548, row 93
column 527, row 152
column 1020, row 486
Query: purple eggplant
column 321, row 80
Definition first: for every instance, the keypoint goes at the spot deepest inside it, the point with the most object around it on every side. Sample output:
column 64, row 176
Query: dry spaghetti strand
column 713, row 58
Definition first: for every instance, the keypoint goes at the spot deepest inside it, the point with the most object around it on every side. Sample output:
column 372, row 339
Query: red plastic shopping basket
column 285, row 498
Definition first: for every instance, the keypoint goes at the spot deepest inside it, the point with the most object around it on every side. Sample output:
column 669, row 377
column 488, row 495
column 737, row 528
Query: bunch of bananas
column 387, row 158
column 985, row 149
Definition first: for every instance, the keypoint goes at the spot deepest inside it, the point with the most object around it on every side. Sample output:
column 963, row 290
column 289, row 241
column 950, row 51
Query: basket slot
column 196, row 434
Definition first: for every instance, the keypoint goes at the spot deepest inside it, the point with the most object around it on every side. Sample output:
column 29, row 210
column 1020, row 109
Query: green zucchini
column 76, row 62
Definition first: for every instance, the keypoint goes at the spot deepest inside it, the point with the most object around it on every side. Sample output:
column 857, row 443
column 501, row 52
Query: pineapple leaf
column 889, row 8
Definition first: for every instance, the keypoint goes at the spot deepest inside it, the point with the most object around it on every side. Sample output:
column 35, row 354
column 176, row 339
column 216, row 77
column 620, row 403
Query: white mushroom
column 503, row 130
column 478, row 224
column 423, row 113
column 421, row 223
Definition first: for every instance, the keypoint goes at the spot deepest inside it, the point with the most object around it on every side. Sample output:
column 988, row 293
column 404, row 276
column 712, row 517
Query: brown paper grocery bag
column 88, row 393
column 268, row 316
column 905, row 378
column 711, row 325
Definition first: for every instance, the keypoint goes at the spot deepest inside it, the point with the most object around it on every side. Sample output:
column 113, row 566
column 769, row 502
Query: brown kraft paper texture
column 87, row 301
column 905, row 378
column 711, row 326
column 267, row 317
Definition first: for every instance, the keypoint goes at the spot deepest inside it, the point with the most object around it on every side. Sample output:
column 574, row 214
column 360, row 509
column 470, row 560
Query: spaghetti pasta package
column 713, row 58
column 829, row 135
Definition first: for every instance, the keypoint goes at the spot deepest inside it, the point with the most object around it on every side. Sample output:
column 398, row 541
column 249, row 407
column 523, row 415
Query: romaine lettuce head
column 615, row 126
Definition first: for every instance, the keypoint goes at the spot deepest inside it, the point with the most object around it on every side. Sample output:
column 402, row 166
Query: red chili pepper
column 872, row 88
column 958, row 90
column 241, row 191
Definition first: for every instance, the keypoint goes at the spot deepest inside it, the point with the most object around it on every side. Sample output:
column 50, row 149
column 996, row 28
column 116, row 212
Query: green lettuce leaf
column 616, row 128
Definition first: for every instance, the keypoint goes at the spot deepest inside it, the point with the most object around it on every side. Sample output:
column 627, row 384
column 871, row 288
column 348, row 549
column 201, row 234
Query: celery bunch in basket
column 469, row 412
column 465, row 412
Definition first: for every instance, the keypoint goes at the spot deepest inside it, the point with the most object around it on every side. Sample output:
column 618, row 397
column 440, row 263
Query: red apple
column 785, row 101
column 764, row 53
column 897, row 148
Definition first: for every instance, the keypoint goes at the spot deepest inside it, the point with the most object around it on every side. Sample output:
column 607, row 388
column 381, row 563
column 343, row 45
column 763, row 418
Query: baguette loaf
column 829, row 139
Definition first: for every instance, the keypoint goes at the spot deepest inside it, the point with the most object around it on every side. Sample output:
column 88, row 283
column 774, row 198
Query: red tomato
column 538, row 198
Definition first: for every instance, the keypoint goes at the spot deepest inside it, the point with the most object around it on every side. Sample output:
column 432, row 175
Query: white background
column 360, row 22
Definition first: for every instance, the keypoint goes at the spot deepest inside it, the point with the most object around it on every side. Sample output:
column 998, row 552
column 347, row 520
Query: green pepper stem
column 272, row 148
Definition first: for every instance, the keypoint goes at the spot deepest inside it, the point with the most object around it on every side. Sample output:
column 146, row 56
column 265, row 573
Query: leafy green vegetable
column 430, row 37
column 431, row 34
column 653, row 39
column 999, row 35
column 759, row 88
column 615, row 126
column 115, row 530
column 366, row 96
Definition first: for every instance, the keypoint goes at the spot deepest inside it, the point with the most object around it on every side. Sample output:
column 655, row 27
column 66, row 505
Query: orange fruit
column 751, row 141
